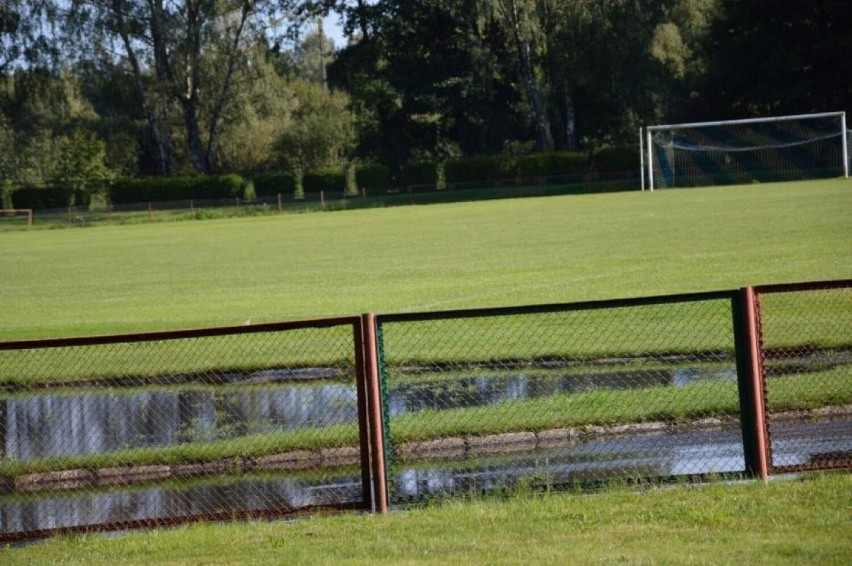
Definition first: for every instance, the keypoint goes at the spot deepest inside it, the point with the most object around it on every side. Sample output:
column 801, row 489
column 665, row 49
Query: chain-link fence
column 560, row 396
column 120, row 432
column 806, row 359
column 267, row 420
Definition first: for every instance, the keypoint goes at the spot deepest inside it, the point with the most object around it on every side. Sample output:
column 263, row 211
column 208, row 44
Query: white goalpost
column 783, row 148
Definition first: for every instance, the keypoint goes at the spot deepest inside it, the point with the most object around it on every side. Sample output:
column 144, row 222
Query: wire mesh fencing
column 152, row 429
column 806, row 358
column 559, row 396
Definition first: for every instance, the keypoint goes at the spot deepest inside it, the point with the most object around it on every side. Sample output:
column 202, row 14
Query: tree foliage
column 186, row 56
column 127, row 87
column 781, row 56
column 321, row 132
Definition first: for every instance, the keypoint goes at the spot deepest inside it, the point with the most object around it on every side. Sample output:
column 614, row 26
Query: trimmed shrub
column 552, row 163
column 6, row 195
column 128, row 191
column 611, row 159
column 350, row 180
column 269, row 184
column 478, row 168
column 417, row 173
column 328, row 180
column 56, row 196
column 171, row 188
column 373, row 176
column 164, row 189
column 229, row 186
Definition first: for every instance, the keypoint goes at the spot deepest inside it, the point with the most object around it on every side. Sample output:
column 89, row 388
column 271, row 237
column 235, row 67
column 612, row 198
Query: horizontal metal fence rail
column 116, row 432
column 562, row 395
column 805, row 335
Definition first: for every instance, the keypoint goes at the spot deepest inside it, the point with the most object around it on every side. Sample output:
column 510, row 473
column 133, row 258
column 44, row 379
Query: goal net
column 786, row 148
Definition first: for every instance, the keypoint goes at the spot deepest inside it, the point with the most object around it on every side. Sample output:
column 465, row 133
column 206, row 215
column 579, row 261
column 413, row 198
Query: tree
column 520, row 17
column 780, row 57
column 49, row 131
column 313, row 56
column 265, row 106
column 81, row 168
column 27, row 34
column 679, row 47
column 598, row 64
column 321, row 133
column 427, row 82
column 359, row 17
column 187, row 54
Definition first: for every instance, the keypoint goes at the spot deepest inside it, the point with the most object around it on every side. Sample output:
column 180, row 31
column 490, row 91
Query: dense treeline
column 92, row 91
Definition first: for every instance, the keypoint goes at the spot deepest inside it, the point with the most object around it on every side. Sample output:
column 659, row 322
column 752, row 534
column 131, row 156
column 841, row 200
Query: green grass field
column 63, row 282
column 798, row 522
column 108, row 279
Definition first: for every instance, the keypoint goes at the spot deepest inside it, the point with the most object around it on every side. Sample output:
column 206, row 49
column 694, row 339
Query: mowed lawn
column 784, row 522
column 556, row 249
column 98, row 280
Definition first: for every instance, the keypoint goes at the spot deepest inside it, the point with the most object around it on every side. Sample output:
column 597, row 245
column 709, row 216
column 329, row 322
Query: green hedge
column 221, row 187
column 269, row 184
column 328, row 180
column 552, row 163
column 479, row 168
column 417, row 173
column 612, row 159
column 56, row 196
column 373, row 176
column 466, row 172
column 163, row 189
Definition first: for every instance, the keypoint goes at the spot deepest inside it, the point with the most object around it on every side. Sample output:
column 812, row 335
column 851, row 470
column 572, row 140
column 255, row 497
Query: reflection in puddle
column 59, row 424
column 716, row 449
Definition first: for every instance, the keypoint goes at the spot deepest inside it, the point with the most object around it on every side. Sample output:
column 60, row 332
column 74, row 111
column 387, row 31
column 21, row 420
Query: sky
column 331, row 27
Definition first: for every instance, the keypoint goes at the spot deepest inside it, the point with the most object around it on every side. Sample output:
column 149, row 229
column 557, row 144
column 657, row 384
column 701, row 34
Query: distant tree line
column 97, row 90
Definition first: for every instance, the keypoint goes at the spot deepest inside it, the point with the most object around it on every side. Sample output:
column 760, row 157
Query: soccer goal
column 785, row 148
column 16, row 217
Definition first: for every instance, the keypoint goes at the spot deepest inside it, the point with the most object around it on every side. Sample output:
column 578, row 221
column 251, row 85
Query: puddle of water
column 477, row 391
column 715, row 449
column 59, row 424
column 277, row 494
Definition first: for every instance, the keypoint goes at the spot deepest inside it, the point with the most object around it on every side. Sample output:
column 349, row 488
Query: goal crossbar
column 747, row 121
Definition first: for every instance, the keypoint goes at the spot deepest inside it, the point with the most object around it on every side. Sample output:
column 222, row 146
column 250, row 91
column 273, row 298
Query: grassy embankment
column 787, row 522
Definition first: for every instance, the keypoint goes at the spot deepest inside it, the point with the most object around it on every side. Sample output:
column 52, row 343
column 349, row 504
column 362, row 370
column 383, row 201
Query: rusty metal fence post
column 803, row 337
column 374, row 414
column 750, row 377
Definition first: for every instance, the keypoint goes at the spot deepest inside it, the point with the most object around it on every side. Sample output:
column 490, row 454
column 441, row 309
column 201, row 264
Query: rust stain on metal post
column 363, row 416
column 758, row 406
column 368, row 323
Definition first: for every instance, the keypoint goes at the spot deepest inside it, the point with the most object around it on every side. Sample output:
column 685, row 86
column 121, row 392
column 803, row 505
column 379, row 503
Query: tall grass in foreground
column 784, row 522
